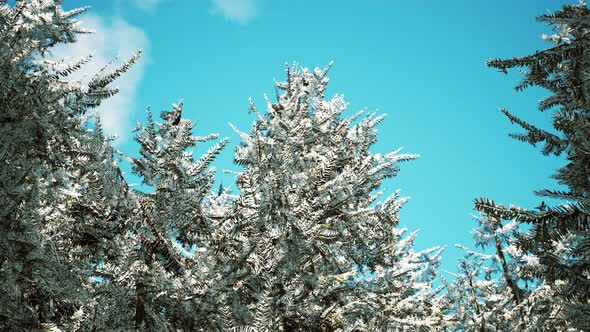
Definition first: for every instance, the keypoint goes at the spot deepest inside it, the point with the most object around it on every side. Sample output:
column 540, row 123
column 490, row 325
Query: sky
column 420, row 62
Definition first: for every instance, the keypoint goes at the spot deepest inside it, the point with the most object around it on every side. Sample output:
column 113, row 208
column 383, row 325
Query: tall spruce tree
column 559, row 236
column 311, row 247
column 52, row 228
column 164, row 278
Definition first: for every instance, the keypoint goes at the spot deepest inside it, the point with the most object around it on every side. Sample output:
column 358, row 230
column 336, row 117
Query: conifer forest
column 304, row 240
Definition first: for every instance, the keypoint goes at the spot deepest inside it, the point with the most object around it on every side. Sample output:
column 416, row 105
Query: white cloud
column 241, row 11
column 113, row 38
column 147, row 5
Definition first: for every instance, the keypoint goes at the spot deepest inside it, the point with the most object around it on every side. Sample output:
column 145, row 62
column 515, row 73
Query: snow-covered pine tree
column 53, row 220
column 499, row 290
column 486, row 291
column 564, row 70
column 474, row 301
column 311, row 247
column 165, row 278
column 99, row 205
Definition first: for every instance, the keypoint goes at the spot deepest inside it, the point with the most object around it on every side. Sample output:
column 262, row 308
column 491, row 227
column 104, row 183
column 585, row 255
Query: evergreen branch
column 535, row 135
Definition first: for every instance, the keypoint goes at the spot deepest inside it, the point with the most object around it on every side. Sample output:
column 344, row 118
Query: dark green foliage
column 560, row 235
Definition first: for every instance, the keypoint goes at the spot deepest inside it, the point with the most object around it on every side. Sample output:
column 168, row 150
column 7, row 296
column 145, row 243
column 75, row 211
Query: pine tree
column 51, row 230
column 165, row 277
column 564, row 70
column 499, row 290
column 311, row 248
column 486, row 291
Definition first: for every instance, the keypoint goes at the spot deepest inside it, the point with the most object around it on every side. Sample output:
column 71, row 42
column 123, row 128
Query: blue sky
column 420, row 62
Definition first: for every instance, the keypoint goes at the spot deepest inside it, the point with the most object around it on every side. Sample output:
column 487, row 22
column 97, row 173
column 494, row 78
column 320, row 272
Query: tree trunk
column 140, row 299
column 475, row 304
column 507, row 277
